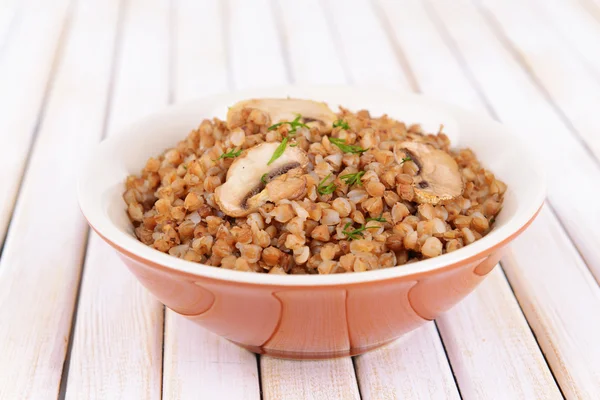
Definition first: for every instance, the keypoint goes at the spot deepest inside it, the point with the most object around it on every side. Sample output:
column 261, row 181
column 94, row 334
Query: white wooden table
column 75, row 324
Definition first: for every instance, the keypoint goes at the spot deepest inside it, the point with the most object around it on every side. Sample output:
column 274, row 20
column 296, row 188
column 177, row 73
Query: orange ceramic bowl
column 311, row 316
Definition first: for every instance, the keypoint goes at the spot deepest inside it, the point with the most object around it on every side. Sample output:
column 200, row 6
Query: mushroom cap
column 439, row 176
column 313, row 113
column 243, row 180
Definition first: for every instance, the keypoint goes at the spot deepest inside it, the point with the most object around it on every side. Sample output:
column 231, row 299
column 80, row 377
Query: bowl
column 311, row 316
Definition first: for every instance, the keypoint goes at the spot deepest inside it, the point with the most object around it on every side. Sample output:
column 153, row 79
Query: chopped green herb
column 263, row 178
column 405, row 159
column 353, row 179
column 347, row 148
column 492, row 220
column 279, row 150
column 341, row 124
column 378, row 219
column 356, row 233
column 230, row 154
column 185, row 167
column 294, row 125
column 326, row 189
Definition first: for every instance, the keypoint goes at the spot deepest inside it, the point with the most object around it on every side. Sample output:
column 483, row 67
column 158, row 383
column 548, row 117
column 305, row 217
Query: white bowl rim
column 91, row 207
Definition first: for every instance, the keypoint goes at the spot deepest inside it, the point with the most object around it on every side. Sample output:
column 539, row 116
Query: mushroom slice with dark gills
column 438, row 178
column 250, row 182
column 312, row 113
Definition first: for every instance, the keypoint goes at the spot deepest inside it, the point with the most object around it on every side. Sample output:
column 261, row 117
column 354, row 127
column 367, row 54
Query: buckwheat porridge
column 287, row 186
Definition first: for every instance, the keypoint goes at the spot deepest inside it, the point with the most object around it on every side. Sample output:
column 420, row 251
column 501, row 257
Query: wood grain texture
column 561, row 301
column 255, row 49
column 200, row 364
column 309, row 48
column 413, row 367
column 41, row 262
column 363, row 46
column 197, row 363
column 553, row 63
column 327, row 379
column 576, row 26
column 521, row 105
column 25, row 69
column 517, row 102
column 474, row 321
column 491, row 347
column 117, row 344
column 199, row 58
column 9, row 10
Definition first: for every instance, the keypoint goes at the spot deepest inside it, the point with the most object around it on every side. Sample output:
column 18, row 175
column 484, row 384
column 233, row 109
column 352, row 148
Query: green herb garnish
column 263, row 178
column 294, row 125
column 230, row 154
column 353, row 179
column 326, row 189
column 341, row 124
column 347, row 148
column 356, row 233
column 378, row 219
column 279, row 150
column 492, row 220
column 405, row 159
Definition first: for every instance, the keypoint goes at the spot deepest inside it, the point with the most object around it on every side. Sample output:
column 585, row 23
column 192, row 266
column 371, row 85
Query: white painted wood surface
column 60, row 76
column 315, row 380
column 117, row 344
column 197, row 363
column 25, row 68
column 474, row 323
column 522, row 105
column 41, row 261
column 413, row 367
column 561, row 301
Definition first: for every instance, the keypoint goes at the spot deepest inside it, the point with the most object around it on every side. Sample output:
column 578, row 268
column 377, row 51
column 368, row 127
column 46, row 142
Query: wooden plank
column 25, row 70
column 413, row 367
column 41, row 262
column 576, row 26
column 117, row 343
column 311, row 52
column 327, row 379
column 363, row 46
column 548, row 57
column 519, row 103
column 435, row 68
column 8, row 19
column 198, row 363
column 200, row 54
column 255, row 50
column 561, row 301
column 492, row 348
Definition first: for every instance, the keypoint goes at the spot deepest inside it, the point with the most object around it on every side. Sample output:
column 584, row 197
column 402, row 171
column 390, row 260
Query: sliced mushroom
column 313, row 113
column 244, row 190
column 439, row 177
